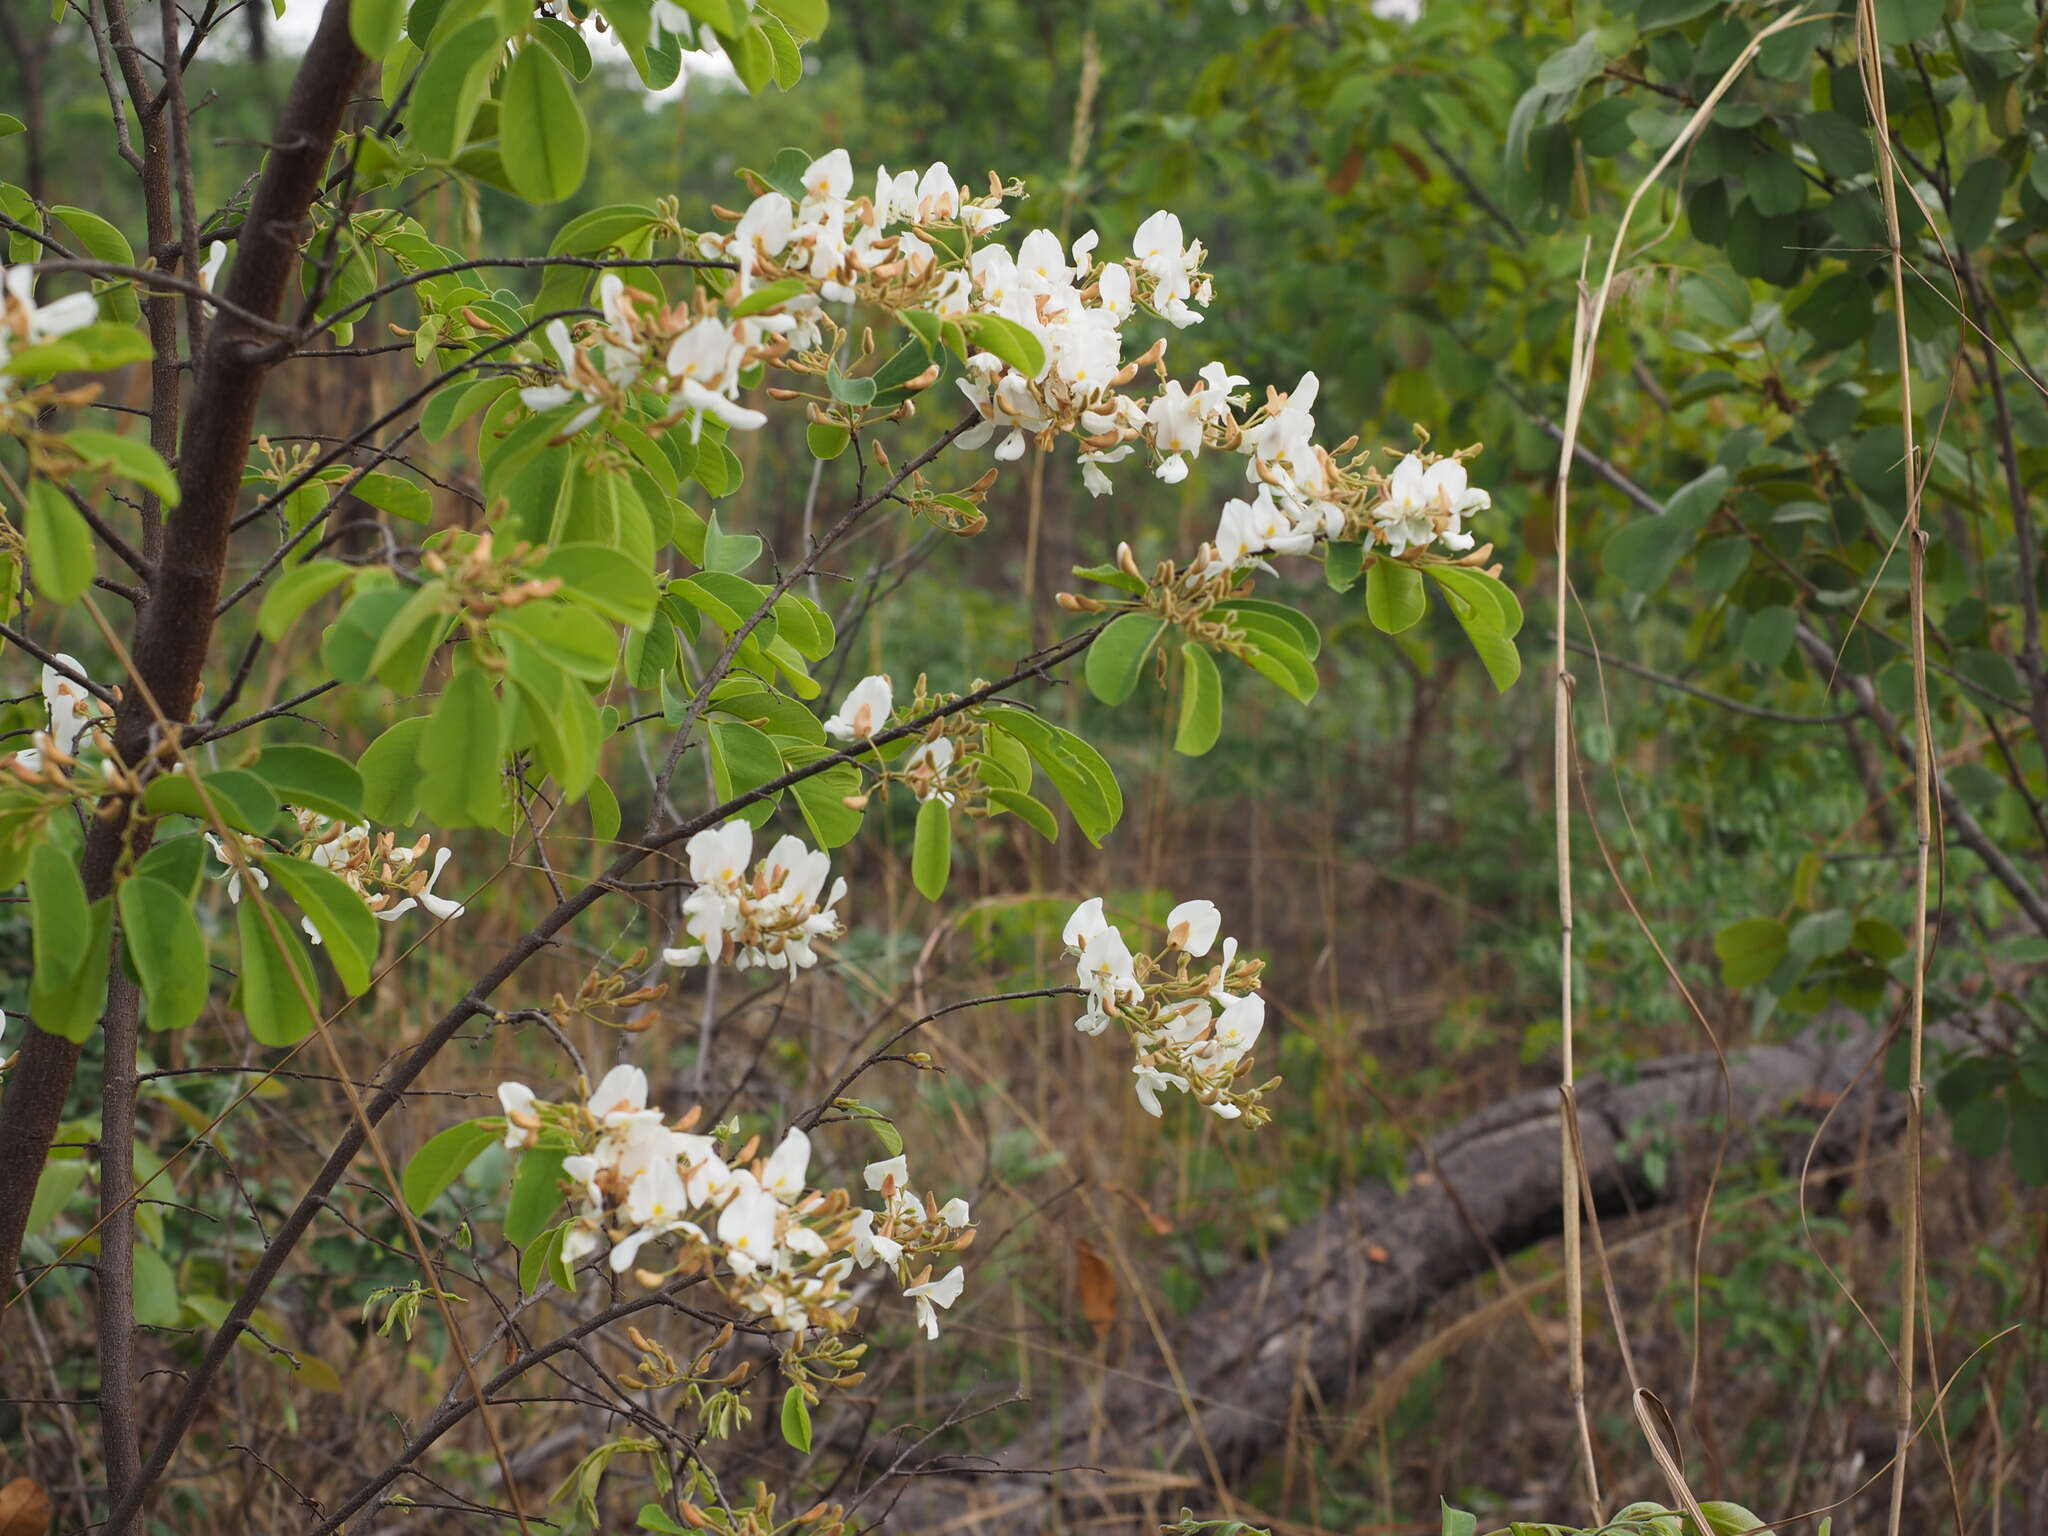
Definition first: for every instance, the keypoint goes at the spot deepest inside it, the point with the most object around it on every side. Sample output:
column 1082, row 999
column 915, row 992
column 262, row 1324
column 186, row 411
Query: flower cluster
column 774, row 1245
column 769, row 915
column 392, row 877
column 1193, row 1028
column 915, row 245
column 72, row 710
column 931, row 768
column 697, row 358
column 25, row 323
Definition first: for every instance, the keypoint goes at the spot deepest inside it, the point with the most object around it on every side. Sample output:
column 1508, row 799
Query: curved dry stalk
column 1590, row 311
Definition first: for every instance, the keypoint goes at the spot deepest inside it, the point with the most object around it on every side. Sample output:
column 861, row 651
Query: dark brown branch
column 175, row 629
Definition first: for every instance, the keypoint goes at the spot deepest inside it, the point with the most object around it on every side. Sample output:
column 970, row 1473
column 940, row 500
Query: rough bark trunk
column 1312, row 1316
column 174, row 633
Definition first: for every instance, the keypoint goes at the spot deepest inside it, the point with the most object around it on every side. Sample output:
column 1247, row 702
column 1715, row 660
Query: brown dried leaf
column 24, row 1508
column 1098, row 1290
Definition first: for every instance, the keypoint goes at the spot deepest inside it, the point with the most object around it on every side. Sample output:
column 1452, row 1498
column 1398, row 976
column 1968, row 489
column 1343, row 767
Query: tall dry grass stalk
column 1590, row 311
column 1870, row 66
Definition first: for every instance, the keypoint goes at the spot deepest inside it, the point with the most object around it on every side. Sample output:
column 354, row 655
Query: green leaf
column 295, row 589
column 438, row 1164
column 1978, row 193
column 1201, row 702
column 541, row 132
column 277, row 993
column 104, row 242
column 728, row 553
column 459, row 753
column 1033, row 813
column 348, row 928
column 1007, row 340
column 395, row 494
column 239, row 798
column 543, row 1258
column 68, row 941
column 1112, row 576
column 822, row 797
column 1276, row 660
column 804, row 18
column 1457, row 1522
column 128, row 457
column 1341, row 565
column 61, row 557
column 58, row 1182
column 825, row 440
column 848, row 389
column 1119, row 653
column 768, row 295
column 376, row 25
column 604, row 810
column 1643, row 552
column 451, row 87
column 796, row 1419
column 167, row 950
column 1750, row 950
column 1486, row 595
column 1290, row 625
column 931, row 854
column 604, row 580
column 313, row 778
column 753, row 61
column 1905, row 21
column 536, row 1194
column 390, row 770
column 1767, row 636
column 156, row 1290
column 1077, row 770
column 559, row 716
column 1395, row 598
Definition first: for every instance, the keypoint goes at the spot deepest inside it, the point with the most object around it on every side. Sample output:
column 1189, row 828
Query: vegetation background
column 1404, row 207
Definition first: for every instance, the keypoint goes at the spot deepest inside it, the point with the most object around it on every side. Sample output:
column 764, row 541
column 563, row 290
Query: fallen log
column 1314, row 1313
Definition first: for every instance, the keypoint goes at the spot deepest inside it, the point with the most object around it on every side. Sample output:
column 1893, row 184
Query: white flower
column 1086, row 922
column 1150, row 1081
column 1423, row 504
column 925, row 769
column 619, row 1097
column 891, row 1173
column 1175, row 418
column 769, row 919
column 954, row 1213
column 517, row 1101
column 783, row 1174
column 1404, row 12
column 869, row 1246
column 1113, row 293
column 864, row 710
column 829, row 178
column 931, row 1294
column 706, row 1178
column 746, row 1227
column 216, row 253
column 235, row 875
column 1107, row 970
column 1213, row 398
column 22, row 319
column 67, row 702
column 1237, row 1027
column 1192, row 927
